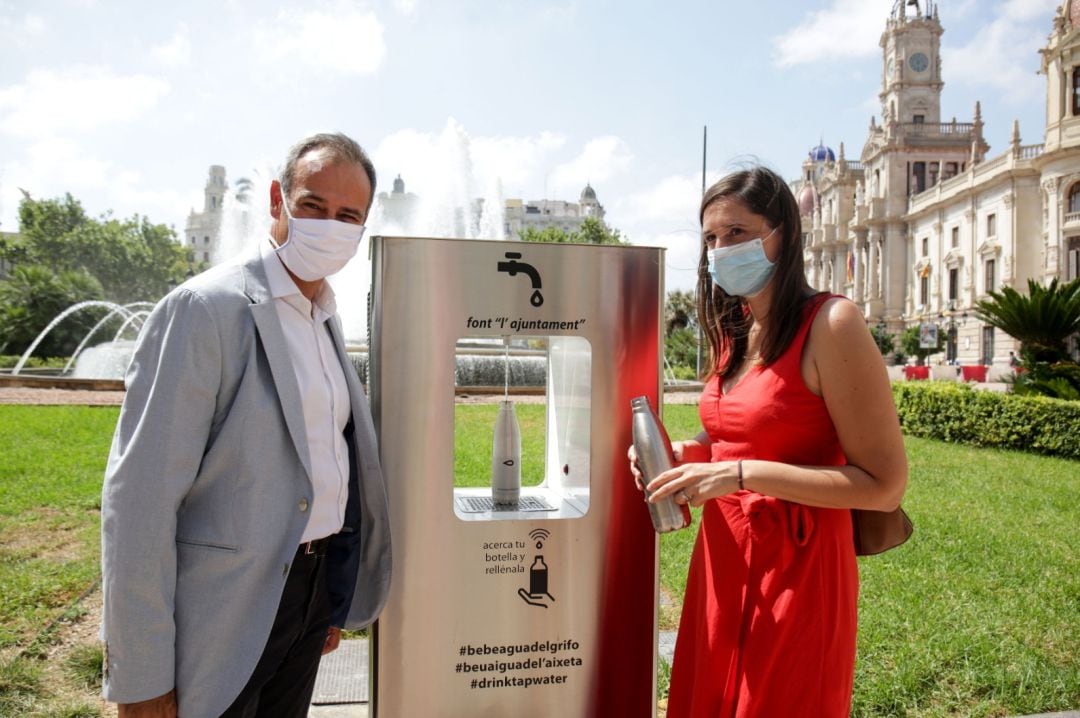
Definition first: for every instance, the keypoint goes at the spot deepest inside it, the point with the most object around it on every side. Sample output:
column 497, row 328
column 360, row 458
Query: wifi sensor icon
column 539, row 536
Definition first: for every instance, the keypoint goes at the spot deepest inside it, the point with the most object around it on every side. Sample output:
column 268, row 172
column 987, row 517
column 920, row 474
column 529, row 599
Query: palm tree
column 1042, row 321
column 243, row 190
column 680, row 311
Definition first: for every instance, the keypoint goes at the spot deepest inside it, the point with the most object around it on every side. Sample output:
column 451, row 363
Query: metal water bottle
column 654, row 458
column 506, row 457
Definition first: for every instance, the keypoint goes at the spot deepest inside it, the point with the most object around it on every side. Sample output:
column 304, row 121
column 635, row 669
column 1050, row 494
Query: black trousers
column 284, row 677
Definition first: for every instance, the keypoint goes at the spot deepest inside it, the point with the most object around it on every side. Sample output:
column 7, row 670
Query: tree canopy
column 910, row 344
column 133, row 259
column 1042, row 320
column 62, row 257
column 592, row 231
column 30, row 299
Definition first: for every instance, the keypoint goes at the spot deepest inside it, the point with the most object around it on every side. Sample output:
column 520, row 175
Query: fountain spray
column 506, row 447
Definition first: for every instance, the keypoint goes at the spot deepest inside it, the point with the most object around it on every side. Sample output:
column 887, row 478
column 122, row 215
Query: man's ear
column 275, row 199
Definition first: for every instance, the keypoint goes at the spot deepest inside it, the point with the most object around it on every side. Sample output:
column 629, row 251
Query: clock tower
column 911, row 79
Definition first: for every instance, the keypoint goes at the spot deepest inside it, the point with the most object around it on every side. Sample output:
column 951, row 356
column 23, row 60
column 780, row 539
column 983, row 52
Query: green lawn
column 978, row 615
column 50, row 496
column 473, row 428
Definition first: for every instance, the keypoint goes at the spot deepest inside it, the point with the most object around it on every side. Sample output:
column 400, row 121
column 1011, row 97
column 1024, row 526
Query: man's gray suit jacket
column 206, row 496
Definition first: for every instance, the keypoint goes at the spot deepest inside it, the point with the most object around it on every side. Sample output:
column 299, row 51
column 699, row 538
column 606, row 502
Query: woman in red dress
column 799, row 428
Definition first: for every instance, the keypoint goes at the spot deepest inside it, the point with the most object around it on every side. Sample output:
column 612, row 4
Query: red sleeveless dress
column 768, row 622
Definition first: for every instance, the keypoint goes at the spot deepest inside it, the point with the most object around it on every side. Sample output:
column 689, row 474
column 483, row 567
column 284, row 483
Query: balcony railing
column 1029, row 152
column 931, row 129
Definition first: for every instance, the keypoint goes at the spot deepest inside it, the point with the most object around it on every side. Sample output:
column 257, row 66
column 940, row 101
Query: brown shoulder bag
column 879, row 531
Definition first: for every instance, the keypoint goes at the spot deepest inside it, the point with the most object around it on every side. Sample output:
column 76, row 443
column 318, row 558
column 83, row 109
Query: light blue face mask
column 741, row 270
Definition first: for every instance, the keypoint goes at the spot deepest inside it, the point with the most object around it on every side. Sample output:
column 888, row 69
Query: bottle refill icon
column 654, row 458
column 506, row 447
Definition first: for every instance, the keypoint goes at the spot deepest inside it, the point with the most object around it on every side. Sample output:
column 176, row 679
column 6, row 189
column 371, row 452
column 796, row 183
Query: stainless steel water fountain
column 545, row 603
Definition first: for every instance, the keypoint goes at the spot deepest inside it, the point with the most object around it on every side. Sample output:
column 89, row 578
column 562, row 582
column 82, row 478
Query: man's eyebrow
column 308, row 194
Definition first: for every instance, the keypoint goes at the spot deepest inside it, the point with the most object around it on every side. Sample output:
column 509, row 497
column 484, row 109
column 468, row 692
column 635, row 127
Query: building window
column 206, row 256
column 950, row 170
column 988, row 281
column 924, row 290
column 919, row 119
column 1076, row 91
column 918, row 177
column 987, row 346
column 925, row 246
column 1074, row 198
column 206, row 240
column 991, row 225
column 955, row 241
column 954, row 282
column 1072, row 259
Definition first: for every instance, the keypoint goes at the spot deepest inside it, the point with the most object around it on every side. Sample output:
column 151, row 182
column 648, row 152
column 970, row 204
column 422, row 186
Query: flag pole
column 704, row 155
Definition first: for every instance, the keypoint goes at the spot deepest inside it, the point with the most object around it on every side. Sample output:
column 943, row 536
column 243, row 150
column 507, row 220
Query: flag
column 850, row 267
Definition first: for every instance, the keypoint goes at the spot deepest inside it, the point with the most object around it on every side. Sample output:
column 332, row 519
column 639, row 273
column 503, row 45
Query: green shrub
column 680, row 352
column 8, row 361
column 957, row 413
column 1060, row 380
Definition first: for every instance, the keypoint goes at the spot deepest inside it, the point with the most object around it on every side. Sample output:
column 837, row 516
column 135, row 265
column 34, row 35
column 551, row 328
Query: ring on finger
column 686, row 496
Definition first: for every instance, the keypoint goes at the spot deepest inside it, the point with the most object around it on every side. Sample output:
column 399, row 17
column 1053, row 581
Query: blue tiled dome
column 821, row 153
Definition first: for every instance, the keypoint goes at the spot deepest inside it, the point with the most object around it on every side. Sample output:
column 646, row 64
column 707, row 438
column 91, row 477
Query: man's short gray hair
column 341, row 147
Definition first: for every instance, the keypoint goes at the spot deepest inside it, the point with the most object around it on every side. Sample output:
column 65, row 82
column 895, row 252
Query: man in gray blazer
column 244, row 516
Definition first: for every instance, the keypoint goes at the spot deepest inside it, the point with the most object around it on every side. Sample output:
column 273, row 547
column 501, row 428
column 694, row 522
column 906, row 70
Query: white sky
column 125, row 104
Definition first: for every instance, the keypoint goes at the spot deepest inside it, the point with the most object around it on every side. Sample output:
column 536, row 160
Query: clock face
column 891, row 67
column 919, row 62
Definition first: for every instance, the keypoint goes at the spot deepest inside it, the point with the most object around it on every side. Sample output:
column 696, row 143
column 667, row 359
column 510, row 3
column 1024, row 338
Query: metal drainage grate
column 480, row 504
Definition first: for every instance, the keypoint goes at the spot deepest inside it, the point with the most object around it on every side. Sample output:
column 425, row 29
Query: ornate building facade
column 405, row 213
column 543, row 213
column 925, row 224
column 202, row 232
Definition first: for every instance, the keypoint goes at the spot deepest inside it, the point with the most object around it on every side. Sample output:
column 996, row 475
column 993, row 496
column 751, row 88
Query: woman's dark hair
column 724, row 318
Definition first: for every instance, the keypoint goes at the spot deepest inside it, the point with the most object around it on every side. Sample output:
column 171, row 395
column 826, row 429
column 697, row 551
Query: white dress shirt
column 323, row 393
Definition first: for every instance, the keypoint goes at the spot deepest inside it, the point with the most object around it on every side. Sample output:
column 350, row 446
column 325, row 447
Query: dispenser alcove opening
column 541, row 390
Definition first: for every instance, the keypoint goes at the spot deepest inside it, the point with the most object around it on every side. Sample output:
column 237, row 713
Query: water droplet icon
column 537, row 298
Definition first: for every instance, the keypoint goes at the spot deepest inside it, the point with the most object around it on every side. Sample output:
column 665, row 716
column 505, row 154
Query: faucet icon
column 513, row 267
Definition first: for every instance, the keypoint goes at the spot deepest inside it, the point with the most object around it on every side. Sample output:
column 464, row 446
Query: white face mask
column 317, row 248
column 741, row 270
